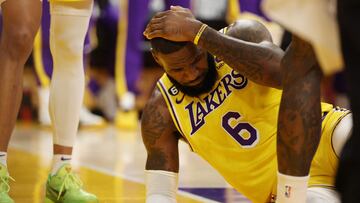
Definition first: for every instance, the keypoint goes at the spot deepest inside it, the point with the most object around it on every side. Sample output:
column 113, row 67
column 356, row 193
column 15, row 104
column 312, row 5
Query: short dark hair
column 165, row 46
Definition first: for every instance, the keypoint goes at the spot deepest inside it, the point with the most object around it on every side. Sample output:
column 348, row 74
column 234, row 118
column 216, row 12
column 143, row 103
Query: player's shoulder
column 249, row 30
column 156, row 110
column 156, row 100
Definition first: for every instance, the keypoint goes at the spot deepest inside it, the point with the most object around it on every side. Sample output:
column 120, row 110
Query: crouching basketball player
column 226, row 109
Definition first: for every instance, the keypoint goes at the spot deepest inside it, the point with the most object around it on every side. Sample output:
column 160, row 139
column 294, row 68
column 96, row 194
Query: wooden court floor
column 110, row 163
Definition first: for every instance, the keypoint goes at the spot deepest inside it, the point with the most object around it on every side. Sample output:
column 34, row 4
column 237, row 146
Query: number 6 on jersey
column 239, row 130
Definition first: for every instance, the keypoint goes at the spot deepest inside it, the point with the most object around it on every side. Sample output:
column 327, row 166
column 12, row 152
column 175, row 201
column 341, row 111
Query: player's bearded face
column 205, row 85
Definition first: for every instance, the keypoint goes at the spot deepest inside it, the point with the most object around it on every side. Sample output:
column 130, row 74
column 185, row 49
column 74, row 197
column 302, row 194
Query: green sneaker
column 4, row 185
column 66, row 187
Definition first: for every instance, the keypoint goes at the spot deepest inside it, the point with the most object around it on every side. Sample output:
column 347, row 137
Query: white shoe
column 89, row 119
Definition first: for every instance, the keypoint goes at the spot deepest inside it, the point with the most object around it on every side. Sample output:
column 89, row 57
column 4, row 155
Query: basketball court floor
column 111, row 164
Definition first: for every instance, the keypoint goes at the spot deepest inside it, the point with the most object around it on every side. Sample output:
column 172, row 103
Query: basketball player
column 69, row 22
column 221, row 108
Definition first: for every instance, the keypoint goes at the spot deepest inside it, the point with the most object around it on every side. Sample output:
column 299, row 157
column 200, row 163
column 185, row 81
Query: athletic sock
column 58, row 161
column 3, row 158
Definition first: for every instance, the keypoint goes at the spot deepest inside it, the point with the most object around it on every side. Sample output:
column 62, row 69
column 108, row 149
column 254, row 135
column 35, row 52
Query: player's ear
column 154, row 54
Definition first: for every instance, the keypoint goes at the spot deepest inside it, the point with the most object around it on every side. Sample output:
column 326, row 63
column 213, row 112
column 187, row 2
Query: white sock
column 291, row 189
column 69, row 24
column 3, row 158
column 58, row 161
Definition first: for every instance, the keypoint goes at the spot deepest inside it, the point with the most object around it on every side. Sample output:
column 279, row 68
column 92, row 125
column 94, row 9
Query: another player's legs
column 69, row 23
column 299, row 123
column 21, row 19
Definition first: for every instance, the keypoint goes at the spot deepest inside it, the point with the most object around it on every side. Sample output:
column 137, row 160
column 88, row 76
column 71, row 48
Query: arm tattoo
column 248, row 49
column 299, row 126
column 153, row 122
column 159, row 135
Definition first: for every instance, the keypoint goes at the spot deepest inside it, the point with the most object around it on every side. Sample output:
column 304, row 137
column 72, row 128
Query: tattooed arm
column 247, row 47
column 159, row 135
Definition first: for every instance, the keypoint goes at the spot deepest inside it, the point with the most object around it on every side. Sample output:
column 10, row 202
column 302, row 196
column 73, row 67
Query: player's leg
column 129, row 59
column 299, row 122
column 348, row 174
column 69, row 24
column 44, row 67
column 21, row 19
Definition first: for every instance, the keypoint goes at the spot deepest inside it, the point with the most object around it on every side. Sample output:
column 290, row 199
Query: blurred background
column 121, row 72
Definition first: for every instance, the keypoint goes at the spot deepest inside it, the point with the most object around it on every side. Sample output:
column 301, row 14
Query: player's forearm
column 299, row 123
column 258, row 62
column 158, row 159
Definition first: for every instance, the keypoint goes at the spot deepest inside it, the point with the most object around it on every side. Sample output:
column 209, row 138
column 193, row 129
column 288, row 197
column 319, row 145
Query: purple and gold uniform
column 233, row 127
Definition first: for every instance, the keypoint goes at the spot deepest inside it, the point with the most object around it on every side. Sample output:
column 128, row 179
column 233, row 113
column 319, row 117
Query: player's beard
column 205, row 86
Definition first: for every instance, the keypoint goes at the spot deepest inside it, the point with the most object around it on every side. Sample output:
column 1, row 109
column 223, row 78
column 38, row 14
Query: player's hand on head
column 176, row 24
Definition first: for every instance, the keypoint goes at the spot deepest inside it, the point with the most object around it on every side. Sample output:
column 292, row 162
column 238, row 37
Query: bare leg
column 299, row 123
column 21, row 20
column 58, row 149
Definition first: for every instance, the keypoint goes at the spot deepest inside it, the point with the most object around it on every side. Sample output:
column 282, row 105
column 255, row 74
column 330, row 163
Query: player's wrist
column 196, row 31
column 291, row 189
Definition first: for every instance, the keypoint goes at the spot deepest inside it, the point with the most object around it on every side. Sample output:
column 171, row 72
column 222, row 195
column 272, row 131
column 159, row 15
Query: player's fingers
column 153, row 25
column 154, row 34
column 161, row 14
column 156, row 23
column 154, row 28
column 157, row 20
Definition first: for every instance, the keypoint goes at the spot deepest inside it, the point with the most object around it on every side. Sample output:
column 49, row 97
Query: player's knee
column 67, row 44
column 19, row 43
column 71, row 50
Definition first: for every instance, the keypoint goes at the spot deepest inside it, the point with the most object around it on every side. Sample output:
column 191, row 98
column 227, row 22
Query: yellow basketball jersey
column 233, row 127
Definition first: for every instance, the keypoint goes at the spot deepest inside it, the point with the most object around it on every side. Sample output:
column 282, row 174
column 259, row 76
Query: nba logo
column 287, row 191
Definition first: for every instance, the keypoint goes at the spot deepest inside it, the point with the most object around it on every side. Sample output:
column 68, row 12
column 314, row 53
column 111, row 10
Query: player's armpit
column 159, row 135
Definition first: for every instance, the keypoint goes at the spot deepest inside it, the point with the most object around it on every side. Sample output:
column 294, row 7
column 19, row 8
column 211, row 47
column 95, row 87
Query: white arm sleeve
column 161, row 186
